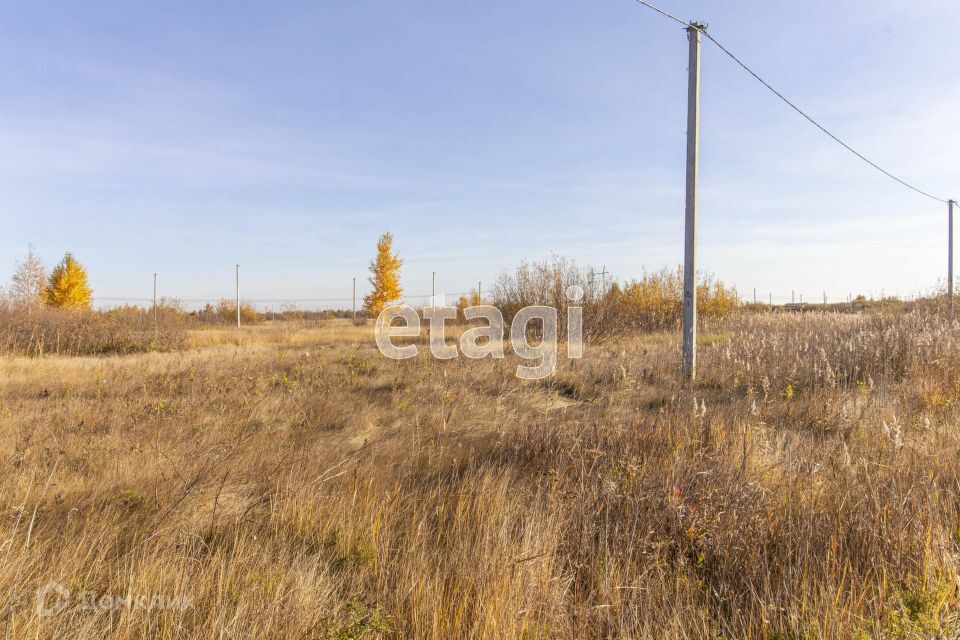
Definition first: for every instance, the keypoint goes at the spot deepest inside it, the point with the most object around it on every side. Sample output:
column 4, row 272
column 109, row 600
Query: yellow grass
column 289, row 482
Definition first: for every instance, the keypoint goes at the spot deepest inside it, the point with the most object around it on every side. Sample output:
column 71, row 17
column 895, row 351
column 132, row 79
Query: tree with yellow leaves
column 384, row 276
column 68, row 286
column 473, row 300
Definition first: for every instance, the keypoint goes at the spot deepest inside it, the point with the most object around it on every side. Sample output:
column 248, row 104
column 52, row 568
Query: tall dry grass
column 300, row 486
column 42, row 330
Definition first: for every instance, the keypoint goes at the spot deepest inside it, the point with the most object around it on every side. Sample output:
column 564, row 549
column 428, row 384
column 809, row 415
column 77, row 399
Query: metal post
column 690, row 224
column 238, row 296
column 950, row 262
column 354, row 300
column 154, row 301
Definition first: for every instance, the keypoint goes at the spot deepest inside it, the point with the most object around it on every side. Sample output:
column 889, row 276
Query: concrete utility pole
column 771, row 299
column 754, row 295
column 354, row 299
column 950, row 261
column 433, row 291
column 479, row 292
column 238, row 296
column 154, row 301
column 793, row 296
column 690, row 223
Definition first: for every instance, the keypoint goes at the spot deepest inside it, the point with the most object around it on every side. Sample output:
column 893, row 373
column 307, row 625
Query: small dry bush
column 546, row 283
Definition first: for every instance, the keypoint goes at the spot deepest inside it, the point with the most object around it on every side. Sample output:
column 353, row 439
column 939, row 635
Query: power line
column 272, row 300
column 792, row 105
column 685, row 23
column 820, row 126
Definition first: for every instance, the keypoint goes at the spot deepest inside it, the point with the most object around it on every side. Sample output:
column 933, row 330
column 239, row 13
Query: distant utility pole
column 354, row 299
column 433, row 294
column 690, row 223
column 771, row 299
column 754, row 295
column 824, row 297
column 603, row 277
column 238, row 296
column 154, row 301
column 950, row 261
column 479, row 292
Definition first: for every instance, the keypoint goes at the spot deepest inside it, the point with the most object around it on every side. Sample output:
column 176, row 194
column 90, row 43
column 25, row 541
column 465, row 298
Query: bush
column 75, row 332
column 546, row 283
column 653, row 302
column 226, row 313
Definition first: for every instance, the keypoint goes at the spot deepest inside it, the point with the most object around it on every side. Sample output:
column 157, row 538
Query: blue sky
column 185, row 137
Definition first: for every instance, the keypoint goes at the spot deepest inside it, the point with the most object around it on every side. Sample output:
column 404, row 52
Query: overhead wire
column 685, row 23
column 793, row 106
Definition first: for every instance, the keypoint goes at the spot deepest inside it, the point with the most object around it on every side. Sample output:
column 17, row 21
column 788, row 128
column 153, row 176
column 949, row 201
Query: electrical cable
column 793, row 106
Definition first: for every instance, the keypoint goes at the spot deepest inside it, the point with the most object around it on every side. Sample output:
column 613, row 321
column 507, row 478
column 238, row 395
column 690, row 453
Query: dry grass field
column 286, row 481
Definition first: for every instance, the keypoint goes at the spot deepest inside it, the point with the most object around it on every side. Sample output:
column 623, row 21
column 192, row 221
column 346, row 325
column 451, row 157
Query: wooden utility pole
column 690, row 225
column 238, row 296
